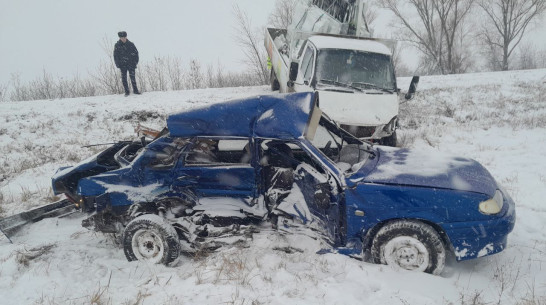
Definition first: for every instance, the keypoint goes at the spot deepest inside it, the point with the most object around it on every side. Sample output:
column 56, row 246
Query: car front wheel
column 152, row 239
column 410, row 245
column 390, row 140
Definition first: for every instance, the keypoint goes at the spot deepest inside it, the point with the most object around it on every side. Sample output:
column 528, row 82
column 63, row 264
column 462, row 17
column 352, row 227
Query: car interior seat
column 278, row 173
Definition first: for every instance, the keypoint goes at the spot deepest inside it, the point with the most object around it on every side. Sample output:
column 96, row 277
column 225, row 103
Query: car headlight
column 493, row 205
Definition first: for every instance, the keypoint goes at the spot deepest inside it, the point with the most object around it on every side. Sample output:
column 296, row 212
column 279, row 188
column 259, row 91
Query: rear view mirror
column 412, row 88
column 294, row 66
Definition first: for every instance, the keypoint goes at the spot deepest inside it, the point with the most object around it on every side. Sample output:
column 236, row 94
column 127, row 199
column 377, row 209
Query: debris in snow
column 142, row 116
column 288, row 250
column 24, row 256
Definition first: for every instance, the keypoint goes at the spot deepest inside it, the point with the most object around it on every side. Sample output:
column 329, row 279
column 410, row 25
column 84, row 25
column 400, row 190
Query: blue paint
column 382, row 196
column 282, row 116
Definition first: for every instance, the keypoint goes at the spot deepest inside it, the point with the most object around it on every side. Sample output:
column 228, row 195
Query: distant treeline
column 159, row 74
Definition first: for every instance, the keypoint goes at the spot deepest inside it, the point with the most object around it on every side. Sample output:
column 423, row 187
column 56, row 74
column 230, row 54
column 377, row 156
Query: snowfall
column 498, row 119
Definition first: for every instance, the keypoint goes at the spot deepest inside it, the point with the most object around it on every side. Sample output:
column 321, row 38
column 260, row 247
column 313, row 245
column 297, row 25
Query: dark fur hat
column 122, row 34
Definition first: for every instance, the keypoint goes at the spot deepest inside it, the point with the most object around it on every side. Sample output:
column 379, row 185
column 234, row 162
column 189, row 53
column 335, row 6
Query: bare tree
column 3, row 92
column 107, row 74
column 141, row 79
column 400, row 68
column 451, row 14
column 371, row 13
column 437, row 32
column 210, row 79
column 44, row 87
column 195, row 76
column 282, row 14
column 147, row 70
column 506, row 23
column 20, row 91
column 220, row 76
column 155, row 74
column 252, row 45
column 529, row 56
column 175, row 73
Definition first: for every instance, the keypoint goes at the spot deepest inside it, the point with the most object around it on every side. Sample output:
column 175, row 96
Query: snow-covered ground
column 498, row 119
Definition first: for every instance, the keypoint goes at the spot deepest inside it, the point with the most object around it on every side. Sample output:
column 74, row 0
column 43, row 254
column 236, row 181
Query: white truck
column 330, row 51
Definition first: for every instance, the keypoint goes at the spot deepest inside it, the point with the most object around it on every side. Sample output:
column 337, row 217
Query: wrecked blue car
column 215, row 174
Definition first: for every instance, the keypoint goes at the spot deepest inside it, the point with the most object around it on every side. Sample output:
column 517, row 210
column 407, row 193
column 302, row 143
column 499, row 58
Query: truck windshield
column 346, row 151
column 356, row 69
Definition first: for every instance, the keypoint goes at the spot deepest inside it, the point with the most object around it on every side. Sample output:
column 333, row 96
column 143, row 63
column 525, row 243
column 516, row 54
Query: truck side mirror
column 294, row 66
column 412, row 88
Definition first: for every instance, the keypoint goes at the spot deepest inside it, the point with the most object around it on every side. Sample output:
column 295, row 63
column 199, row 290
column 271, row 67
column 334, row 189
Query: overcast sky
column 64, row 36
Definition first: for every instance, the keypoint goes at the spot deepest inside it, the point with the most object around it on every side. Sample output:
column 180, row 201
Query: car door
column 217, row 168
column 306, row 70
column 318, row 190
column 319, row 206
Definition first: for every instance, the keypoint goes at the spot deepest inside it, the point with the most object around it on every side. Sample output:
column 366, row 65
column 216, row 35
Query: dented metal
column 218, row 172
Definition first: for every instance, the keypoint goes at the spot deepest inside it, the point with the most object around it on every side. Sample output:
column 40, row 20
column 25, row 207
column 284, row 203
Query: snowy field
column 498, row 119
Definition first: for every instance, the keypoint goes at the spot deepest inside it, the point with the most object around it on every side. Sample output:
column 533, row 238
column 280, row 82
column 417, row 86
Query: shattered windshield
column 357, row 70
column 346, row 151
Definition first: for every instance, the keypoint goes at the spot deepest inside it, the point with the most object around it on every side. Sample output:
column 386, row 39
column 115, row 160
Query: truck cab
column 328, row 48
column 356, row 82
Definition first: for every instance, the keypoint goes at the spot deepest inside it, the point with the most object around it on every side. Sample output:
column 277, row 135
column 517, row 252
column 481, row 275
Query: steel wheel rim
column 147, row 246
column 406, row 252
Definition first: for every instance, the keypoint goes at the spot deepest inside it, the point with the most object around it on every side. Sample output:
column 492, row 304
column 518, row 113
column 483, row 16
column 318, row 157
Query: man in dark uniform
column 126, row 59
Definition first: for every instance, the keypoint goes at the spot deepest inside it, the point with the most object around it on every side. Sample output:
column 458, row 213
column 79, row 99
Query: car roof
column 366, row 45
column 282, row 116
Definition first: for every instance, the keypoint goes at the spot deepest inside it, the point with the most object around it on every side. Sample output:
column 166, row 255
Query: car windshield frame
column 356, row 70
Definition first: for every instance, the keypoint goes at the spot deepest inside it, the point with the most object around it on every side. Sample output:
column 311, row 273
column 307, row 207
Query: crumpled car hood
column 408, row 167
column 66, row 178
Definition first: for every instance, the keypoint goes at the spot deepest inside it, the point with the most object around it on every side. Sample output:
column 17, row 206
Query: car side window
column 291, row 156
column 214, row 152
column 307, row 64
column 309, row 70
column 165, row 155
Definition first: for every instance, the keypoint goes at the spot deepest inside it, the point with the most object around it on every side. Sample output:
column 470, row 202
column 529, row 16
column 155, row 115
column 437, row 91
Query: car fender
column 368, row 235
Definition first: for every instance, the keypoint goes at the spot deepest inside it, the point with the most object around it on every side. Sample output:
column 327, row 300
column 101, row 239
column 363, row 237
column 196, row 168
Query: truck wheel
column 390, row 140
column 410, row 245
column 274, row 81
column 152, row 239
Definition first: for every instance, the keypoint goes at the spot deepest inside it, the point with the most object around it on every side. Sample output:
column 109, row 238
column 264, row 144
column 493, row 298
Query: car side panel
column 379, row 203
column 227, row 181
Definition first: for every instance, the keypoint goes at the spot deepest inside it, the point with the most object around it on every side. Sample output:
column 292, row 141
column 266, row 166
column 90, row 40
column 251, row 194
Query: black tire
column 274, row 81
column 410, row 245
column 151, row 238
column 390, row 140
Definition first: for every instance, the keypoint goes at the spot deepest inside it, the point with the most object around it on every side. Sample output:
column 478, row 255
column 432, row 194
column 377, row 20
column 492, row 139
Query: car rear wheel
column 409, row 245
column 152, row 239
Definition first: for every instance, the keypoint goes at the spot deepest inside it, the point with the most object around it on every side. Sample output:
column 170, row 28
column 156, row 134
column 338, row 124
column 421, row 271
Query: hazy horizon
column 65, row 37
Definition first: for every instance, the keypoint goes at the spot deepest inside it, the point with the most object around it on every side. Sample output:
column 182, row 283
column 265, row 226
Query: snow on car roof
column 331, row 42
column 283, row 116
